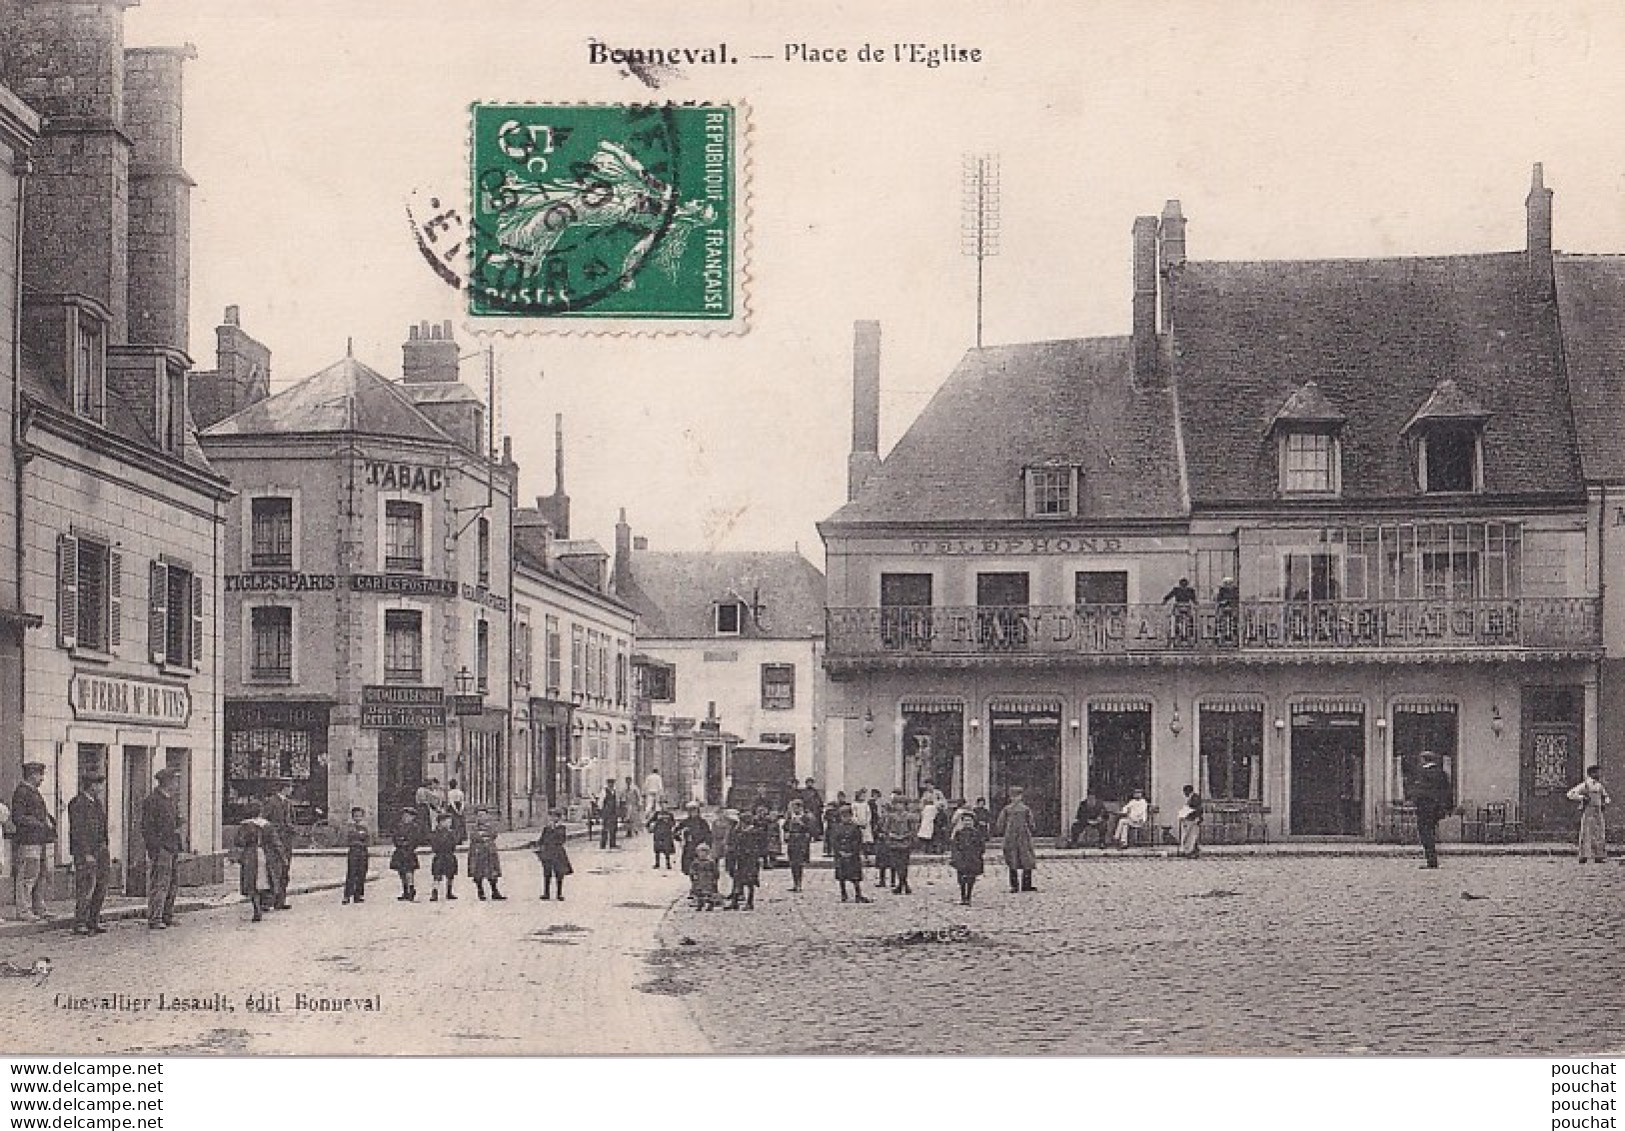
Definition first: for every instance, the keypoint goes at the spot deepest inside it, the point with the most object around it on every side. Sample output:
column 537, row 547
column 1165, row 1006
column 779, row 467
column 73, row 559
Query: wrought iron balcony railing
column 1251, row 626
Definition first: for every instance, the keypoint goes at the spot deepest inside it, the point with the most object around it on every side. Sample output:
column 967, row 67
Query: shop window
column 92, row 759
column 1420, row 728
column 175, row 616
column 778, row 687
column 271, row 545
column 89, row 594
column 1232, row 752
column 403, row 646
column 403, row 536
column 272, row 630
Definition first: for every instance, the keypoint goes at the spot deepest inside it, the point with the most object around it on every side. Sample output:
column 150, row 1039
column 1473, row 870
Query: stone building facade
column 121, row 514
column 1306, row 521
column 367, row 584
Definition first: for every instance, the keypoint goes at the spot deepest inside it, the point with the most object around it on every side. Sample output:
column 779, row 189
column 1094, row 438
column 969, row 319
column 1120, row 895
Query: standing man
column 278, row 809
column 1431, row 792
column 161, row 834
column 631, row 808
column 609, row 812
column 36, row 832
column 654, row 792
column 87, row 843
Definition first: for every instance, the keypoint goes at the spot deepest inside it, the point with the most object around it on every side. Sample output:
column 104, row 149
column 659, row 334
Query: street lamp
column 465, row 680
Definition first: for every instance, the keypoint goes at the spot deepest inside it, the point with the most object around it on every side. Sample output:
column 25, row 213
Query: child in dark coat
column 663, row 828
column 695, row 831
column 745, row 863
column 846, row 844
column 702, row 879
column 550, row 850
column 404, row 860
column 443, row 864
column 965, row 848
column 799, row 830
column 356, row 840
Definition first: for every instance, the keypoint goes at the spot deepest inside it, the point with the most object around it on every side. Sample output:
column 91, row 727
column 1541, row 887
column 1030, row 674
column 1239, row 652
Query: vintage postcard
column 1048, row 528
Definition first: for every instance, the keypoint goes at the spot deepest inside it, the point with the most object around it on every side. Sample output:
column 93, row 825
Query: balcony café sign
column 100, row 698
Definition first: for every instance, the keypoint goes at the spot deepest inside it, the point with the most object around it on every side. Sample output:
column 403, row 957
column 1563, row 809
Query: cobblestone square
column 1289, row 955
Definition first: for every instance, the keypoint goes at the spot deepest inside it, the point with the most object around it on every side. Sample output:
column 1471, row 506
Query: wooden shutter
column 158, row 612
column 115, row 599
column 197, row 622
column 67, row 590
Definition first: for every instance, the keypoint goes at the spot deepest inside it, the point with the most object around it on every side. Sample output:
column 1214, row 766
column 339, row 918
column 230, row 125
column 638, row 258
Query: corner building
column 1306, row 521
column 367, row 588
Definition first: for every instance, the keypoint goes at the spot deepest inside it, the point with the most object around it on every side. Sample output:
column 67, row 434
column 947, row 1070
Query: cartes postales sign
column 95, row 697
column 604, row 212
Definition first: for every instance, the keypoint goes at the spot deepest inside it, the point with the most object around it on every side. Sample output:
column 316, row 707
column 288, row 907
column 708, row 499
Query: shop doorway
column 401, row 770
column 548, row 772
column 1119, row 751
column 1328, row 773
column 1553, row 757
column 714, row 773
column 137, row 785
column 934, row 749
column 1025, row 750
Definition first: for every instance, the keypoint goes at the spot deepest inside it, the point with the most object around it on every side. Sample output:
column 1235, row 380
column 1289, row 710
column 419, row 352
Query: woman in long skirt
column 1593, row 798
column 254, row 871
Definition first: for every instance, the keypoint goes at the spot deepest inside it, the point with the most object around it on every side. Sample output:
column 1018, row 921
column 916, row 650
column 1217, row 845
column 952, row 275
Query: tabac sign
column 96, row 697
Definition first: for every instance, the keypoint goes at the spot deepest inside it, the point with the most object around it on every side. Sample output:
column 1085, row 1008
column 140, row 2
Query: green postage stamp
column 605, row 216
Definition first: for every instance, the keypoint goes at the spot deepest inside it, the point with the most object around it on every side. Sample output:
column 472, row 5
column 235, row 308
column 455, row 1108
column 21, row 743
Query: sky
column 1287, row 131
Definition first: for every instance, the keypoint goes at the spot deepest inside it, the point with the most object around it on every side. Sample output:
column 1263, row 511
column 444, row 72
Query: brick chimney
column 1170, row 256
column 429, row 353
column 241, row 377
column 623, row 554
column 159, row 285
column 864, row 461
column 65, row 58
column 555, row 508
column 1538, row 248
column 1145, row 300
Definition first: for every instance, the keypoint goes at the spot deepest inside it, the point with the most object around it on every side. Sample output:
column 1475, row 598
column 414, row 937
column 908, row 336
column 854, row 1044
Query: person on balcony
column 1431, row 791
column 1593, row 798
column 1184, row 623
column 1136, row 814
column 1228, row 602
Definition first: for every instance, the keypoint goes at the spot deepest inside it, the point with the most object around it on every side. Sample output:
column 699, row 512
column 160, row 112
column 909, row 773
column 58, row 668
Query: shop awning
column 1014, row 704
column 1427, row 707
column 1133, row 703
column 1328, row 707
column 1231, row 706
column 932, row 706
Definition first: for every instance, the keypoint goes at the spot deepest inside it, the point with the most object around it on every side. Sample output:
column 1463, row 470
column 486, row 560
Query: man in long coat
column 36, row 832
column 609, row 812
column 161, row 836
column 278, row 809
column 1430, row 790
column 87, row 844
column 1015, row 825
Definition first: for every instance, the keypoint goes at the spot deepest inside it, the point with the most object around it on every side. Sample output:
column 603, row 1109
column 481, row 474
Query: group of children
column 484, row 863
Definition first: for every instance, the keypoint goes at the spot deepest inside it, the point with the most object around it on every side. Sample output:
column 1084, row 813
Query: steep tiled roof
column 674, row 593
column 1377, row 336
column 1448, row 402
column 1591, row 308
column 1309, row 405
column 347, row 396
column 1007, row 407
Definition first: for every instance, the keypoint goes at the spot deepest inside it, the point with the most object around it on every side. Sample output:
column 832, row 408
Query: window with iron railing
column 271, row 542
column 403, row 536
column 403, row 646
column 272, row 630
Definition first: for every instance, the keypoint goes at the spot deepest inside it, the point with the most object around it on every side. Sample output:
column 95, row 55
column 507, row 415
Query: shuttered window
column 174, row 616
column 90, row 594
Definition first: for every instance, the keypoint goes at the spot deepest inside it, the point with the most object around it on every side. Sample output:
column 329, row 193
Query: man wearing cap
column 278, row 809
column 161, row 834
column 36, row 832
column 1430, row 790
column 87, row 843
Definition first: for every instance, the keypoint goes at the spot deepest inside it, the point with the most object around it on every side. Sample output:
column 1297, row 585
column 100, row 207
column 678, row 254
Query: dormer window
column 1448, row 434
column 1309, row 452
column 729, row 618
column 1052, row 490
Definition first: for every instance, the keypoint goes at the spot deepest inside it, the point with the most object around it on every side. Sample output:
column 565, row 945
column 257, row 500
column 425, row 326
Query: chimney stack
column 1538, row 249
column 623, row 554
column 160, row 194
column 864, row 461
column 429, row 354
column 1145, row 299
column 1171, row 255
column 556, row 507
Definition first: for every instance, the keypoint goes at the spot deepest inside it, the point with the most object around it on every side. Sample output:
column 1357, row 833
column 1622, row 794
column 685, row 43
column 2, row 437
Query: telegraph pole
column 979, row 219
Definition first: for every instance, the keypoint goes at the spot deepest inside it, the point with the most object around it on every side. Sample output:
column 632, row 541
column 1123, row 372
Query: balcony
column 1255, row 631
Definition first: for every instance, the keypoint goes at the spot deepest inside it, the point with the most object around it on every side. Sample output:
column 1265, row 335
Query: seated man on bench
column 1091, row 815
column 1136, row 814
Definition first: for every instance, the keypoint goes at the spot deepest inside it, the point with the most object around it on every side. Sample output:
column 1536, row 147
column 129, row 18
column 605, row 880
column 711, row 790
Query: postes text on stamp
column 598, row 212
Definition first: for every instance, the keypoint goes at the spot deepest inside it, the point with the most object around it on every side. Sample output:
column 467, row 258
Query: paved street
column 1150, row 955
column 467, row 978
